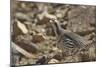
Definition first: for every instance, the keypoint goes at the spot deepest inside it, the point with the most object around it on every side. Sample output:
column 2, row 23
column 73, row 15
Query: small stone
column 38, row 38
column 53, row 61
column 23, row 61
column 55, row 49
column 22, row 27
column 22, row 16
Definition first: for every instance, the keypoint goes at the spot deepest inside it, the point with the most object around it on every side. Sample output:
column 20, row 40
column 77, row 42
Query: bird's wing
column 68, row 42
column 74, row 40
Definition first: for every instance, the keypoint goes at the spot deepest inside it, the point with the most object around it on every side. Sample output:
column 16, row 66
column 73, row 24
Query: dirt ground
column 33, row 40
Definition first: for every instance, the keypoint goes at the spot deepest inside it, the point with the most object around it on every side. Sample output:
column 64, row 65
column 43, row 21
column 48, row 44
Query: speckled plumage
column 67, row 41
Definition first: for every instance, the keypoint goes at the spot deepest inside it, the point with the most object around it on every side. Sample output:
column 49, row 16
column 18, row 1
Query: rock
column 41, row 60
column 18, row 29
column 58, row 56
column 74, row 12
column 53, row 61
column 22, row 16
column 22, row 27
column 38, row 38
column 24, row 61
column 31, row 61
column 68, row 59
column 43, row 21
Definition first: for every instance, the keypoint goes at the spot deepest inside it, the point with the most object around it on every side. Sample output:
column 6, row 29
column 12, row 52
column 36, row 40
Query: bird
column 67, row 41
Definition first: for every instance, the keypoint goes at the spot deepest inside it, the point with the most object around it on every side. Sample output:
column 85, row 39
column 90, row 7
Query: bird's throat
column 57, row 28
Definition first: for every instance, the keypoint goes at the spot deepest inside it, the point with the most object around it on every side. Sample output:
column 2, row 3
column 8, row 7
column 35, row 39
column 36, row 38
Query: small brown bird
column 68, row 42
